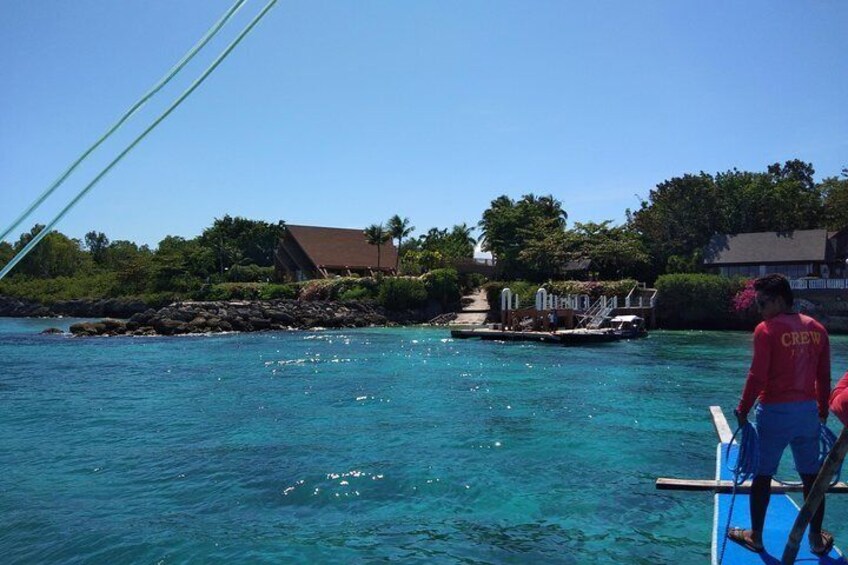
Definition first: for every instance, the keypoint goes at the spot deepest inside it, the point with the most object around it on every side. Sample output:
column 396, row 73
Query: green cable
column 40, row 235
column 135, row 107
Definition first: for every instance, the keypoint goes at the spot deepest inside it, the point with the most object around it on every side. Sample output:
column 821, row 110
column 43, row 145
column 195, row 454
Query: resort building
column 797, row 254
column 310, row 252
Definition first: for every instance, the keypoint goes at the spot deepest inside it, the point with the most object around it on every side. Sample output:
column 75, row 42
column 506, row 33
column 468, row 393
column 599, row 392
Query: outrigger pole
column 820, row 487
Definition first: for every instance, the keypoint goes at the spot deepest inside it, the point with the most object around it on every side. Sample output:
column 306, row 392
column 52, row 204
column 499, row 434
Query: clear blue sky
column 344, row 113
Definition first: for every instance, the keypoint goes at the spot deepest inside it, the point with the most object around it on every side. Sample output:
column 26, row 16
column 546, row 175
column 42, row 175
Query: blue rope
column 744, row 469
column 748, row 456
column 826, row 440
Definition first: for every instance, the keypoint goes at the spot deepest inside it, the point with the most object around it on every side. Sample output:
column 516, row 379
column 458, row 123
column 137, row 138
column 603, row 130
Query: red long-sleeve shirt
column 791, row 363
column 839, row 400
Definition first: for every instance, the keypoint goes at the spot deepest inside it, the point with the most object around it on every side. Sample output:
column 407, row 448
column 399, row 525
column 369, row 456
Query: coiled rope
column 216, row 27
column 747, row 464
column 744, row 469
column 49, row 227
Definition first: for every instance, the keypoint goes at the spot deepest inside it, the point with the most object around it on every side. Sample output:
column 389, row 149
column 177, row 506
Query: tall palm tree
column 463, row 231
column 376, row 234
column 399, row 229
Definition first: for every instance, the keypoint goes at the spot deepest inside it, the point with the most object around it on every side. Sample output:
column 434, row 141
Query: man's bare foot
column 746, row 538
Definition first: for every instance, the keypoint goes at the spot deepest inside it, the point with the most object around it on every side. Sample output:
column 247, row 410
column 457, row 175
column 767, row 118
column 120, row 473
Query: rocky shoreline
column 183, row 318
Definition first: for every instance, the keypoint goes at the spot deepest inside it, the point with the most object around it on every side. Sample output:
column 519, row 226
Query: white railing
column 640, row 300
column 598, row 312
column 818, row 284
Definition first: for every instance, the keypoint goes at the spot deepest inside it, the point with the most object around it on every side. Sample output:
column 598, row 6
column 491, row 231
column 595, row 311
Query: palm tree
column 376, row 234
column 399, row 229
column 463, row 231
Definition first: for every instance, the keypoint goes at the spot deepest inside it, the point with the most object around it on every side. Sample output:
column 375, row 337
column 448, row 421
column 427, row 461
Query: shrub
column 442, row 285
column 48, row 291
column 332, row 289
column 526, row 292
column 356, row 293
column 272, row 291
column 698, row 301
column 317, row 289
column 470, row 281
column 400, row 293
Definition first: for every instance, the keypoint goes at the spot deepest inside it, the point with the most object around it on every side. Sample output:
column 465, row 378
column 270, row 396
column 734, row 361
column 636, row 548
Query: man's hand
column 741, row 419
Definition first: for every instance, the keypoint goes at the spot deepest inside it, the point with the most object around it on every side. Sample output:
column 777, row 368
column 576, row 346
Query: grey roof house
column 796, row 254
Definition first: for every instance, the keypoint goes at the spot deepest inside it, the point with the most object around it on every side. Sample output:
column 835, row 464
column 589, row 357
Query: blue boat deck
column 782, row 512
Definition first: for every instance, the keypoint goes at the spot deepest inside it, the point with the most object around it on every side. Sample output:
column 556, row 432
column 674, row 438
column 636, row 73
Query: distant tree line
column 230, row 250
column 529, row 237
column 668, row 231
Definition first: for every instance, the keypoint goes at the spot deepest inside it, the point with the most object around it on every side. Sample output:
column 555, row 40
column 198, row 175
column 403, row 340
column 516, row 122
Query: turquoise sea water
column 360, row 446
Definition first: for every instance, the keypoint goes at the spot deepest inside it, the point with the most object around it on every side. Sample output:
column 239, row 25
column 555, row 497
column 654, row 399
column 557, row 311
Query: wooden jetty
column 782, row 510
column 560, row 337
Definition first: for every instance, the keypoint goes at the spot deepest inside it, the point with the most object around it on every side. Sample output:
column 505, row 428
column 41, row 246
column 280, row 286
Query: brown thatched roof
column 339, row 248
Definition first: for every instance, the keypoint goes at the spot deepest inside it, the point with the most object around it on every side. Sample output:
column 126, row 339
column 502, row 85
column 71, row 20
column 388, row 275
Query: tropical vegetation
column 529, row 238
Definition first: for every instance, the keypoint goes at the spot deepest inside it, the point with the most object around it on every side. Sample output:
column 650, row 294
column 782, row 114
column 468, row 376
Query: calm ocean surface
column 360, row 446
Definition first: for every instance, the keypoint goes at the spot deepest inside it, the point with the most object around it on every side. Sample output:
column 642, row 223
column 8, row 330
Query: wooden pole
column 811, row 504
column 726, row 487
column 722, row 428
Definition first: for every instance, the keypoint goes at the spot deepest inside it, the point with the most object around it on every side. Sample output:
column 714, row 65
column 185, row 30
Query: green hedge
column 526, row 292
column 333, row 289
column 402, row 293
column 698, row 301
column 247, row 291
column 274, row 291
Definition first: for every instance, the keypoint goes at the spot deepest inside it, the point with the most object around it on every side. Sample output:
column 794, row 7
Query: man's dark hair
column 775, row 285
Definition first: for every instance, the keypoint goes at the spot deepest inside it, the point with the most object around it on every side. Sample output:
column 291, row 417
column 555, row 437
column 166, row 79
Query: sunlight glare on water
column 369, row 444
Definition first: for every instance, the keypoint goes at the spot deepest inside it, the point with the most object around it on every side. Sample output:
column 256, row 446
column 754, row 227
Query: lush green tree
column 399, row 228
column 509, row 227
column 121, row 252
column 6, row 253
column 450, row 245
column 97, row 244
column 132, row 264
column 682, row 214
column 678, row 218
column 835, row 191
column 181, row 265
column 784, row 198
column 237, row 240
column 376, row 234
column 56, row 255
column 545, row 250
column 615, row 251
